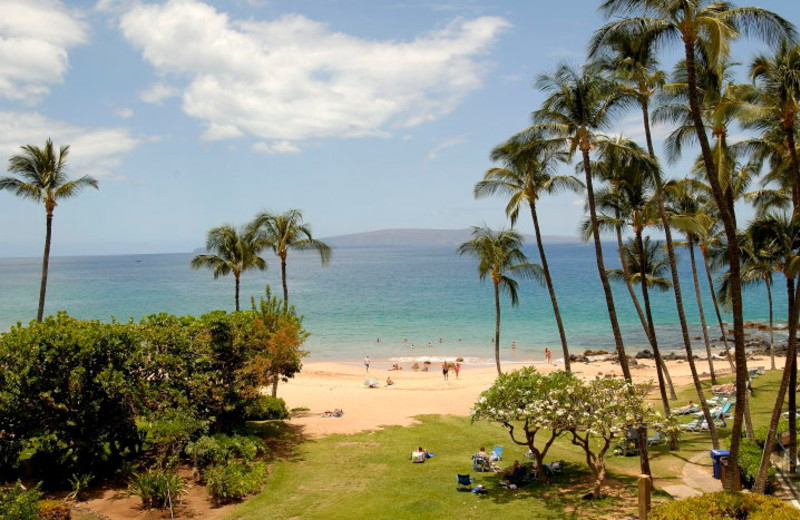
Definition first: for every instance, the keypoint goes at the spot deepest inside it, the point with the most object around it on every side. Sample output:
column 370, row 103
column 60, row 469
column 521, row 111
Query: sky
column 364, row 114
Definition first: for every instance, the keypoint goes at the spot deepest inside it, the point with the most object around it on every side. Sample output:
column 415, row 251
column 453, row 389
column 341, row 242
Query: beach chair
column 497, row 453
column 698, row 425
column 726, row 390
column 719, row 415
column 656, row 439
column 464, row 481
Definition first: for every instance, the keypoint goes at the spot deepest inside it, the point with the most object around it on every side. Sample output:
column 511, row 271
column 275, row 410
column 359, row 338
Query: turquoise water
column 420, row 294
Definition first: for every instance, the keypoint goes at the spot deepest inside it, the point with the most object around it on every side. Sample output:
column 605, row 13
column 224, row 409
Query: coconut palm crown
column 42, row 177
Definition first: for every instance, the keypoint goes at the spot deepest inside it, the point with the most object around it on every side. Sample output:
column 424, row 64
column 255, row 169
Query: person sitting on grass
column 421, row 455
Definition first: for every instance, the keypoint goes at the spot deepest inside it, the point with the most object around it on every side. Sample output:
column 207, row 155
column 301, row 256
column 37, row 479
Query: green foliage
column 210, row 451
column 724, row 505
column 749, row 460
column 54, row 510
column 234, row 481
column 19, row 503
column 265, row 408
column 156, row 487
column 80, row 485
column 170, row 435
column 62, row 380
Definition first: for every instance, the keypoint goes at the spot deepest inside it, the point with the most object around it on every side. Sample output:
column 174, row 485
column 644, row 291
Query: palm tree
column 236, row 251
column 43, row 178
column 710, row 26
column 780, row 235
column 628, row 170
column 778, row 78
column 578, row 106
column 499, row 254
column 284, row 231
column 688, row 216
column 528, row 173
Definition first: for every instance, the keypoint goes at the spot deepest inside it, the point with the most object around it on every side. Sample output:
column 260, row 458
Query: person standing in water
column 445, row 370
column 548, row 356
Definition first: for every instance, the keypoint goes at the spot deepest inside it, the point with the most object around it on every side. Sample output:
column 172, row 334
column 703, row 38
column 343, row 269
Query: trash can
column 716, row 456
column 724, row 462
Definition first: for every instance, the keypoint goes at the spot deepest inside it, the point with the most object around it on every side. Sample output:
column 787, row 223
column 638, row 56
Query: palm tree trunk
column 283, row 281
column 601, row 268
column 768, row 283
column 791, row 361
column 549, row 281
column 736, row 290
column 497, row 326
column 650, row 327
column 662, row 213
column 791, row 353
column 236, row 292
column 45, row 263
column 716, row 310
column 661, row 367
column 700, row 310
column 612, row 313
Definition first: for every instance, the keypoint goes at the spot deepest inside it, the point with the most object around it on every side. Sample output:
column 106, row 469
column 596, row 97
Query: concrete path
column 697, row 478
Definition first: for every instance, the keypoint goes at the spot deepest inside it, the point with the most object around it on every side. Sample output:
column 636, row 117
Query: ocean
column 399, row 303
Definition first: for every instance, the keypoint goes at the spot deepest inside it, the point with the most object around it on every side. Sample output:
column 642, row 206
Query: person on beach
column 513, row 345
column 366, row 363
column 430, row 345
column 389, row 381
column 457, row 369
column 445, row 369
column 548, row 356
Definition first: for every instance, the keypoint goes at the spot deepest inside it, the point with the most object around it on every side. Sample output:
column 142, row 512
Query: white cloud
column 293, row 78
column 34, row 38
column 124, row 112
column 216, row 132
column 96, row 152
column 447, row 143
column 157, row 92
column 281, row 147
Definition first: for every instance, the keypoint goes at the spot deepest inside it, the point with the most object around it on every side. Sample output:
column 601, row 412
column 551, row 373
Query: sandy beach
column 325, row 386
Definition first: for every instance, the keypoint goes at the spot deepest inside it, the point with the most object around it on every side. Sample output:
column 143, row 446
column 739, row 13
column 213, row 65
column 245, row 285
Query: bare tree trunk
column 791, row 353
column 550, row 289
column 236, row 293
column 768, row 283
column 497, row 327
column 283, row 281
column 735, row 278
column 716, row 310
column 701, row 312
column 661, row 367
column 45, row 263
column 601, row 269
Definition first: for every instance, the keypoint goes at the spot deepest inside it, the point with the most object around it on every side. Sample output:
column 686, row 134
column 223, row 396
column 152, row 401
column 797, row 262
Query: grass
column 368, row 475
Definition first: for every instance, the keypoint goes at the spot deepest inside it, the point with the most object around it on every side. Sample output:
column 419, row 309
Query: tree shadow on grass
column 283, row 439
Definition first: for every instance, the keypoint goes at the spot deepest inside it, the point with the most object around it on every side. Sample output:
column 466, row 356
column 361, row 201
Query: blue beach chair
column 497, row 453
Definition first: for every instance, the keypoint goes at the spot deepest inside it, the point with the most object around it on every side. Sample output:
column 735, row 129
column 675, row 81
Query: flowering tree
column 601, row 411
column 594, row 414
column 527, row 403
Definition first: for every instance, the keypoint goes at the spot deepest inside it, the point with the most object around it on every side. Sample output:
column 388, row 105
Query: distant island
column 421, row 237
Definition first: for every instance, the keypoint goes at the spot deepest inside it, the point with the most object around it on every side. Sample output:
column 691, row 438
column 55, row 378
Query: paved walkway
column 697, row 478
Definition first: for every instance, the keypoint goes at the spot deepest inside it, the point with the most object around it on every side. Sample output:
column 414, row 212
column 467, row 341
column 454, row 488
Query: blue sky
column 364, row 114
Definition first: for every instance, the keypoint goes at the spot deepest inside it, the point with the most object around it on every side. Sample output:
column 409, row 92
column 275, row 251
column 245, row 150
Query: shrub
column 54, row 510
column 749, row 460
column 80, row 485
column 211, row 451
column 19, row 503
column 264, row 408
column 234, row 481
column 726, row 505
column 157, row 487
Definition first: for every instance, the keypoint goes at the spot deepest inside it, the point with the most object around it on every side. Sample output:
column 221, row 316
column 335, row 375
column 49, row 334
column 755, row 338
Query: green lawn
column 368, row 475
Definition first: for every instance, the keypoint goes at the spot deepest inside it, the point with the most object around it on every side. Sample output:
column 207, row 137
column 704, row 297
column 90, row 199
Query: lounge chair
column 656, row 439
column 685, row 410
column 719, row 415
column 728, row 390
column 464, row 481
column 698, row 425
column 497, row 453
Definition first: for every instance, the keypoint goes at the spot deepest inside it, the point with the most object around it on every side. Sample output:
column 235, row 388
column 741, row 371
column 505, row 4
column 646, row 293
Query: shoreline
column 330, row 385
